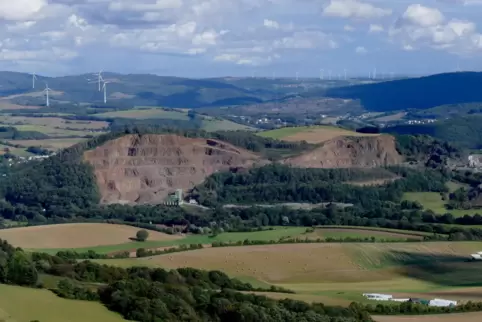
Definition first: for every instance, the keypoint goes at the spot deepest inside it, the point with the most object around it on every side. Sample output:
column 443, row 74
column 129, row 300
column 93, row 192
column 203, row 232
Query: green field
column 433, row 201
column 212, row 125
column 21, row 304
column 310, row 134
column 141, row 112
column 53, row 132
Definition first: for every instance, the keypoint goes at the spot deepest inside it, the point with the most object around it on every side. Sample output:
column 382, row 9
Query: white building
column 442, row 303
column 378, row 297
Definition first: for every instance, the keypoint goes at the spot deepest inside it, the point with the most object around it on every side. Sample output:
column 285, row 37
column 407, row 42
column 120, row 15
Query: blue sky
column 205, row 38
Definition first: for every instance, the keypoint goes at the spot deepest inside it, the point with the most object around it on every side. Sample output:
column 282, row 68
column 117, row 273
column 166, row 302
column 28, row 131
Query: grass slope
column 19, row 304
column 433, row 201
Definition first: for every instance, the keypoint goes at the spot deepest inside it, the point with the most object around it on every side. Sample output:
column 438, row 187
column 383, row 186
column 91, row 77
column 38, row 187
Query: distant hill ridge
column 415, row 93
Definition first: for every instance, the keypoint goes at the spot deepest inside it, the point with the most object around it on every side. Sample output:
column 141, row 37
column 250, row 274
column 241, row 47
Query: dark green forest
column 414, row 93
column 465, row 131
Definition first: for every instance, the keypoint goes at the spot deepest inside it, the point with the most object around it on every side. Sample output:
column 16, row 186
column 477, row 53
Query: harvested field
column 310, row 134
column 145, row 113
column 53, row 122
column 49, row 144
column 5, row 105
column 359, row 233
column 75, row 235
column 22, row 304
column 455, row 317
column 391, row 117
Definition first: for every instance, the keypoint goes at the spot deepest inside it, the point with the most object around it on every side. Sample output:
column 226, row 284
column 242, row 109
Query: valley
column 211, row 198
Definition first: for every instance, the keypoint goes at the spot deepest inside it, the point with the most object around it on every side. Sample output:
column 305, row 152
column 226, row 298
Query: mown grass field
column 433, row 201
column 21, row 304
column 340, row 273
column 361, row 233
column 212, row 125
column 310, row 134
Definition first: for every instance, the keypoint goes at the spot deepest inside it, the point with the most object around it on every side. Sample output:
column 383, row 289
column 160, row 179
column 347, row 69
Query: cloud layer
column 219, row 37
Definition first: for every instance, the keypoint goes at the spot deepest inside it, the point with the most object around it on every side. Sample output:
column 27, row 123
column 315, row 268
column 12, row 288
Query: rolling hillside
column 415, row 93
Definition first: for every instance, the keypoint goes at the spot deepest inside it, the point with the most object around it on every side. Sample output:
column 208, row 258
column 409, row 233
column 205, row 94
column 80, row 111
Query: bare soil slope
column 146, row 168
column 348, row 152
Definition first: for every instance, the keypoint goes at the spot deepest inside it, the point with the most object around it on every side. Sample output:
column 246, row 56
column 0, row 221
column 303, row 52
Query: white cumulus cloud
column 354, row 9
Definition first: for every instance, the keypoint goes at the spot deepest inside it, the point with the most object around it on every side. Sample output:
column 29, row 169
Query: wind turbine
column 104, row 87
column 297, row 74
column 33, row 80
column 99, row 78
column 374, row 73
column 329, row 74
column 46, row 90
column 345, row 72
column 321, row 74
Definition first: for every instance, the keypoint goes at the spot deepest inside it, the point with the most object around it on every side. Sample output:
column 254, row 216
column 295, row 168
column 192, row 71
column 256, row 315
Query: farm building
column 378, row 297
column 442, row 303
column 419, row 301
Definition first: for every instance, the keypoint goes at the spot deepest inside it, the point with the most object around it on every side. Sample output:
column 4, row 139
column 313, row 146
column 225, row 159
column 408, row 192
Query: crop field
column 456, row 317
column 433, row 201
column 50, row 144
column 341, row 272
column 146, row 113
column 21, row 304
column 360, row 233
column 310, row 134
column 53, row 132
column 53, row 122
column 212, row 125
column 6, row 105
column 75, row 235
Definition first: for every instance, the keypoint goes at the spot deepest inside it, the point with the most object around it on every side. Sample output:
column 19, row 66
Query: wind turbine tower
column 345, row 72
column 99, row 78
column 329, row 74
column 374, row 73
column 297, row 74
column 321, row 74
column 47, row 89
column 33, row 80
column 104, row 87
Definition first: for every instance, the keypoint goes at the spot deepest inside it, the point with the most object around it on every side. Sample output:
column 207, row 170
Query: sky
column 211, row 38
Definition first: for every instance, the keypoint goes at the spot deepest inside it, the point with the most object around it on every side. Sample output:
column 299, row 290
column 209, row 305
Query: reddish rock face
column 146, row 168
column 350, row 152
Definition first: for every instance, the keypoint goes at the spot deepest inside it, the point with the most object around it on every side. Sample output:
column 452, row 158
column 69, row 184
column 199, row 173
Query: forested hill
column 416, row 93
column 464, row 131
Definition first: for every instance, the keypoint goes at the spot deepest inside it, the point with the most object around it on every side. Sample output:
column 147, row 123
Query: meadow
column 310, row 134
column 21, row 304
column 433, row 201
column 55, row 132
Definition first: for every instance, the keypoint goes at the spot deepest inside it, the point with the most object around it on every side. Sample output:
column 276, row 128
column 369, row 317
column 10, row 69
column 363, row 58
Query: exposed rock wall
column 146, row 168
column 348, row 152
